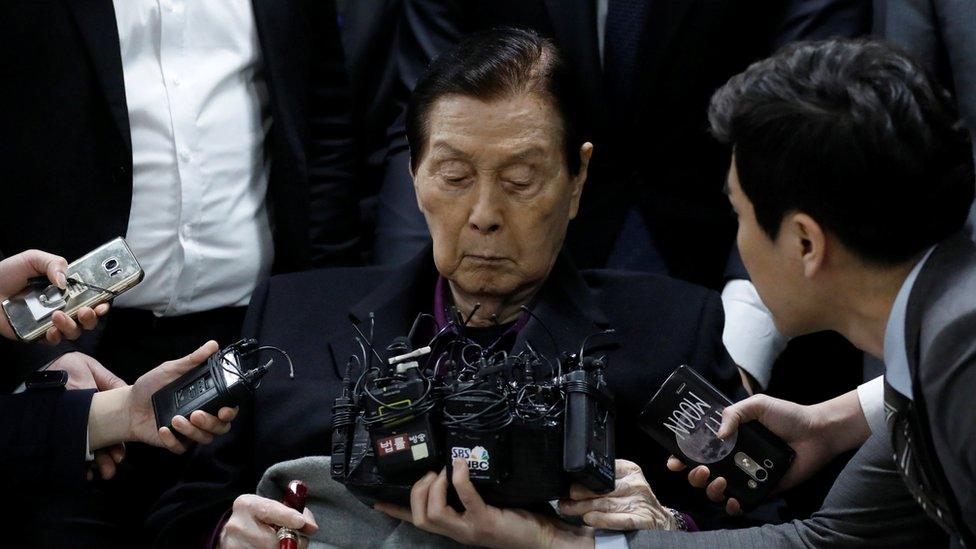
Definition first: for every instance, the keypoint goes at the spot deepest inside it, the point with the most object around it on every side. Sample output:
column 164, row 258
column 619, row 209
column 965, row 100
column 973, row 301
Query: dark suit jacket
column 42, row 439
column 66, row 154
column 661, row 323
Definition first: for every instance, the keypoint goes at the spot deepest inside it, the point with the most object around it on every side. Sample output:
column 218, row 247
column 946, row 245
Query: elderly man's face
column 496, row 191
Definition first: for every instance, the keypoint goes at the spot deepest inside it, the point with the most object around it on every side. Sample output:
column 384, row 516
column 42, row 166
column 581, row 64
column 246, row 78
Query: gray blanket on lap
column 343, row 520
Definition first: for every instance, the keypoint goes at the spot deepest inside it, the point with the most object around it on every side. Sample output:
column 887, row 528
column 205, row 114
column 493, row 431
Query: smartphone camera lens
column 110, row 264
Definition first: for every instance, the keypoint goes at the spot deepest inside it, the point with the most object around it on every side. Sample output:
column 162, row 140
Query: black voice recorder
column 219, row 382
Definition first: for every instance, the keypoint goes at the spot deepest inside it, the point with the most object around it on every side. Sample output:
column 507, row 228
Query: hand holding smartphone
column 684, row 416
column 96, row 278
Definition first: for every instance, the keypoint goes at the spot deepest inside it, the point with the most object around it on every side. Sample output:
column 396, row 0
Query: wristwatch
column 47, row 380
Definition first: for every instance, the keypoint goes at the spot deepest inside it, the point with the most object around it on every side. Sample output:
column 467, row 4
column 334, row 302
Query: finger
column 87, row 318
column 611, row 521
column 54, row 266
column 53, row 336
column 418, row 499
column 465, row 490
column 742, row 412
column 675, row 464
column 65, row 325
column 190, row 361
column 579, row 492
column 211, row 424
column 437, row 495
column 579, row 508
column 310, row 525
column 170, row 442
column 105, row 464
column 395, row 511
column 274, row 513
column 716, row 490
column 20, row 268
column 102, row 309
column 117, row 452
column 732, row 507
column 104, row 379
column 698, row 477
column 187, row 429
column 439, row 512
column 227, row 414
column 622, row 468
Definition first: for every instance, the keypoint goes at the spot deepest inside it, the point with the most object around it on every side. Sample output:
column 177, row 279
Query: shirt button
column 185, row 155
column 175, row 79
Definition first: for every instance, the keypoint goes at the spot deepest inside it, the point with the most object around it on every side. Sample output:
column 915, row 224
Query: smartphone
column 684, row 416
column 99, row 276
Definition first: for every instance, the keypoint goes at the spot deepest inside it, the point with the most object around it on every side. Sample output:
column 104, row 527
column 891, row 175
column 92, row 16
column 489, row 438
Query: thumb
column 20, row 268
column 623, row 468
column 192, row 360
column 741, row 412
column 104, row 378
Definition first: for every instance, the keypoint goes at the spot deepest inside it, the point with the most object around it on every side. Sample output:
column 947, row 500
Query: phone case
column 99, row 276
column 684, row 415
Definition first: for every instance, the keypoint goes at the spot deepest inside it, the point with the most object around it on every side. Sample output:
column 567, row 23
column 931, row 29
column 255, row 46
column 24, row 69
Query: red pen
column 294, row 497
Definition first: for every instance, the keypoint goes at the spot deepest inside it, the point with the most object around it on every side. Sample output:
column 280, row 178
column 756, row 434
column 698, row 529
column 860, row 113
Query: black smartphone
column 684, row 416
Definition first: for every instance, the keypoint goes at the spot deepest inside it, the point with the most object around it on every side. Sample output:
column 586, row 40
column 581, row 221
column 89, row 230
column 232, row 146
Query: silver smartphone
column 99, row 276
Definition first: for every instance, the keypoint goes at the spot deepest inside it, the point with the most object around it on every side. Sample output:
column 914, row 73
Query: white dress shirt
column 198, row 114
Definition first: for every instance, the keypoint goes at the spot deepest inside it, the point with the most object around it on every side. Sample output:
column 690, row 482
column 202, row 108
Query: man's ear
column 810, row 242
column 586, row 152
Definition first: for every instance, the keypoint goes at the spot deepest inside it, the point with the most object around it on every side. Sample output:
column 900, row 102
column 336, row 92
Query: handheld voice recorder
column 221, row 381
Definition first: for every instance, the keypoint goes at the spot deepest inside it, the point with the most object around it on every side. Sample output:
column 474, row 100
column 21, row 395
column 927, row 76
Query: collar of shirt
column 897, row 373
column 441, row 306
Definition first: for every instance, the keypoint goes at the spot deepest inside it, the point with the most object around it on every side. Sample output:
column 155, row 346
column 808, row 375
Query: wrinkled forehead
column 522, row 127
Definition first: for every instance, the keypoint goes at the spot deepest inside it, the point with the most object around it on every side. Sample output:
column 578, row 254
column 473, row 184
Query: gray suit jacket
column 869, row 504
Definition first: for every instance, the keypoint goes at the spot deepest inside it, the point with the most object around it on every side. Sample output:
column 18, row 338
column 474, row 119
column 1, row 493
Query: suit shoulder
column 329, row 279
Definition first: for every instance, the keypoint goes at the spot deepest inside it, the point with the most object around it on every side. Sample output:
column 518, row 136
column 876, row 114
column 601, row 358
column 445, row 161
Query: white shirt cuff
column 871, row 396
column 607, row 539
column 750, row 335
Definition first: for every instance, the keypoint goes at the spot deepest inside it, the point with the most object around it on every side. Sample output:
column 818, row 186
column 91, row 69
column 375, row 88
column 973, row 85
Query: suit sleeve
column 43, row 438
column 333, row 162
column 868, row 505
column 217, row 473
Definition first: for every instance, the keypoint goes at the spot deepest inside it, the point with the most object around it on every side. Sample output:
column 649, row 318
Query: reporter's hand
column 480, row 523
column 200, row 427
column 632, row 504
column 16, row 270
column 254, row 522
column 126, row 413
column 84, row 372
column 817, row 434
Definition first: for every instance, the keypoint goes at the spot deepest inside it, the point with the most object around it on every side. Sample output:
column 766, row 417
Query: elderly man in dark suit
column 852, row 179
column 498, row 170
